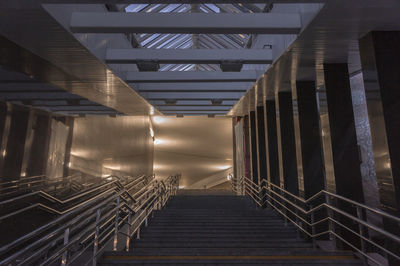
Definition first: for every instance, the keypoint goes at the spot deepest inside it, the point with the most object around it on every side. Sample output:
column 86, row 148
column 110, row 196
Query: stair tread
column 228, row 229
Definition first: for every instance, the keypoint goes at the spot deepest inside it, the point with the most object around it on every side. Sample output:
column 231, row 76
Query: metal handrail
column 91, row 227
column 301, row 212
column 70, row 199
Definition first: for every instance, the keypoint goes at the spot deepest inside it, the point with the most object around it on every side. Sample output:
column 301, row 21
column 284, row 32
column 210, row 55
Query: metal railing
column 98, row 191
column 329, row 215
column 83, row 232
column 40, row 182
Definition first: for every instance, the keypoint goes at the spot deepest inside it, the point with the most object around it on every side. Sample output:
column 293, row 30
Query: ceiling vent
column 231, row 66
column 216, row 101
column 148, row 66
column 170, row 101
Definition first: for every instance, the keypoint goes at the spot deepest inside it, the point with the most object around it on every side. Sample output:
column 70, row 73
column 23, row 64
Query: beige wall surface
column 200, row 148
column 103, row 145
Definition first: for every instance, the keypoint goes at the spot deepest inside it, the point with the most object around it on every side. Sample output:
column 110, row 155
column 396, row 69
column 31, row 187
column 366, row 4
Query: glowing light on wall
column 159, row 119
column 224, row 167
column 158, row 141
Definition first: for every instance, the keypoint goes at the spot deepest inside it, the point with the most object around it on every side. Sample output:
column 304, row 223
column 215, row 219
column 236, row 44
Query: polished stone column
column 380, row 60
column 272, row 142
column 40, row 146
column 262, row 159
column 253, row 146
column 5, row 120
column 16, row 143
column 310, row 139
column 346, row 158
column 69, row 121
column 288, row 143
column 246, row 152
column 345, row 151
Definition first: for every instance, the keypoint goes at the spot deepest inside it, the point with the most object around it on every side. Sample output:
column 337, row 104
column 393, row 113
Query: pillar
column 246, row 144
column 253, row 146
column 310, row 139
column 380, row 60
column 288, row 143
column 15, row 147
column 272, row 142
column 40, row 145
column 346, row 159
column 262, row 159
column 345, row 151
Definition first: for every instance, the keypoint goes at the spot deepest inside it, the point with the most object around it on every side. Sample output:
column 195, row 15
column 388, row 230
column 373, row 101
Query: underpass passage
column 221, row 229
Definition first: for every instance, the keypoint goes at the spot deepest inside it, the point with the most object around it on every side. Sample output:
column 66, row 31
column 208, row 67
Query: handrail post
column 313, row 228
column 361, row 231
column 96, row 238
column 330, row 216
column 66, row 241
column 128, row 233
column 138, row 233
column 116, row 225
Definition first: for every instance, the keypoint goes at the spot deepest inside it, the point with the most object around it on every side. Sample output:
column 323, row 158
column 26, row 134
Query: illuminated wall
column 200, row 148
column 104, row 145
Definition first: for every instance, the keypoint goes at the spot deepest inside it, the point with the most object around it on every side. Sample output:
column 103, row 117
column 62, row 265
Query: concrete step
column 228, row 251
column 230, row 244
column 229, row 260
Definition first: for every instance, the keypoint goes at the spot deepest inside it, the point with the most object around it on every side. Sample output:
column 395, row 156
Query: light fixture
column 224, row 167
column 158, row 141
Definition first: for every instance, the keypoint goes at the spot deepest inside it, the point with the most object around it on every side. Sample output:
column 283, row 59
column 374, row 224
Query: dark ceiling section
column 29, row 88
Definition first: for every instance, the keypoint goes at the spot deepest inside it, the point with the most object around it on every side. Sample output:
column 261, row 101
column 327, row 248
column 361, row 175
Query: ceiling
column 228, row 45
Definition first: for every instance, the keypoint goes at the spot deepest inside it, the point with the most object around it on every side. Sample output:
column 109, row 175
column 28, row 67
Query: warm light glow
column 159, row 119
column 4, row 153
column 69, row 164
column 158, row 141
column 151, row 132
column 112, row 167
column 224, row 167
column 23, row 174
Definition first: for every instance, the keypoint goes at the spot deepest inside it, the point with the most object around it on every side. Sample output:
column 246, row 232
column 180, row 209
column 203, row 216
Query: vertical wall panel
column 262, row 160
column 288, row 142
column 253, row 140
column 311, row 149
column 272, row 142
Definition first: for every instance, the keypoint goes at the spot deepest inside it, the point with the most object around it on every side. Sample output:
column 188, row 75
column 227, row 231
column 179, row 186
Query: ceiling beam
column 189, row 56
column 194, row 95
column 195, row 87
column 190, row 76
column 191, row 23
column 175, row 1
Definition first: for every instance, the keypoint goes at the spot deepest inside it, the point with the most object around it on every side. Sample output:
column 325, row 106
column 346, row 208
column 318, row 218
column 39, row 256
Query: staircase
column 221, row 229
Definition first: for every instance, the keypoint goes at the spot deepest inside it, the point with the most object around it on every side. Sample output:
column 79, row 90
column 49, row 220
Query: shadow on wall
column 200, row 148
